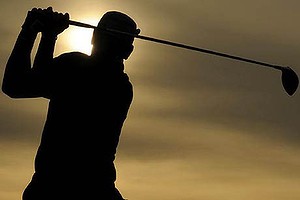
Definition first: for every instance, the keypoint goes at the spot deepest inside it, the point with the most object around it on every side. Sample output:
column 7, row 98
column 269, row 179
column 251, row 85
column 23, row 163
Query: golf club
column 289, row 77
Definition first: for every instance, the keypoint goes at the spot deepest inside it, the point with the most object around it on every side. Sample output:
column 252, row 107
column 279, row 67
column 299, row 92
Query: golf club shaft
column 184, row 46
column 80, row 24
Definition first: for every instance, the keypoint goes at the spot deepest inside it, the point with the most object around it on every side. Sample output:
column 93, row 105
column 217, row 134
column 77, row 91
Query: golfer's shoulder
column 71, row 58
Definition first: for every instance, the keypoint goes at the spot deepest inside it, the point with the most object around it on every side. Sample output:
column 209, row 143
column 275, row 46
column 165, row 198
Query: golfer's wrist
column 27, row 35
column 49, row 36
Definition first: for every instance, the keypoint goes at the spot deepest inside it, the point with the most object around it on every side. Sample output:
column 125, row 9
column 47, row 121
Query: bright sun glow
column 79, row 39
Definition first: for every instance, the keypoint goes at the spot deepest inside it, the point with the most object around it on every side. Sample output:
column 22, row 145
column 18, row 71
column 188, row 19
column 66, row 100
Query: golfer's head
column 114, row 43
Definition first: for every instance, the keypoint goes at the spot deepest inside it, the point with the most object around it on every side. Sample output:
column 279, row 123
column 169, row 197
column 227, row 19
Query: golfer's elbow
column 11, row 90
column 8, row 91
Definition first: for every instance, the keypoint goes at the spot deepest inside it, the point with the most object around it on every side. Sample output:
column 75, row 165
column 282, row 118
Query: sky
column 200, row 126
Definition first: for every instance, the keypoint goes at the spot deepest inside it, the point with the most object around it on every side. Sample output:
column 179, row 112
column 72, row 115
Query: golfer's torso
column 84, row 121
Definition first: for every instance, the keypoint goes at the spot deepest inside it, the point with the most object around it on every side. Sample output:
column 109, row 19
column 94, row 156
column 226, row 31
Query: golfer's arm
column 18, row 67
column 44, row 55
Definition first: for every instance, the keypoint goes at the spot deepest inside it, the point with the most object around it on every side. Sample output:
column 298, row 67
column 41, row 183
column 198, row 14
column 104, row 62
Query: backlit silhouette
column 89, row 101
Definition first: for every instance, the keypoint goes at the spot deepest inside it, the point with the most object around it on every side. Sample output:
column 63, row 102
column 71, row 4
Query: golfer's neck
column 101, row 55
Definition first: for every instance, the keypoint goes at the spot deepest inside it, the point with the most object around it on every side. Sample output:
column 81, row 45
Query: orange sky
column 200, row 127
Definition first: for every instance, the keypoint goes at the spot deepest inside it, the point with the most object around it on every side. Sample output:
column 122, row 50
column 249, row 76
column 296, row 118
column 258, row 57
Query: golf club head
column 289, row 80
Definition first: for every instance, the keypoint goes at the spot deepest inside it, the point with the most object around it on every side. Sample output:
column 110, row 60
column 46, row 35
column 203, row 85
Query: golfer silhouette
column 89, row 98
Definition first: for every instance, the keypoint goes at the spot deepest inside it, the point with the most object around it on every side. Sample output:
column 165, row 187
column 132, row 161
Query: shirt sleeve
column 57, row 77
column 42, row 82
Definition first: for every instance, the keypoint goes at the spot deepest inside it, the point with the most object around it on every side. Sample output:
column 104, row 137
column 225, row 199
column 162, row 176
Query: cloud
column 22, row 119
column 213, row 163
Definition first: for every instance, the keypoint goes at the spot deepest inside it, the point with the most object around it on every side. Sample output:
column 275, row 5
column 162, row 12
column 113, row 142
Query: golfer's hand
column 32, row 24
column 53, row 23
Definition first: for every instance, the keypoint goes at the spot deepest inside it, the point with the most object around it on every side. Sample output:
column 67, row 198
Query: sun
column 79, row 39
